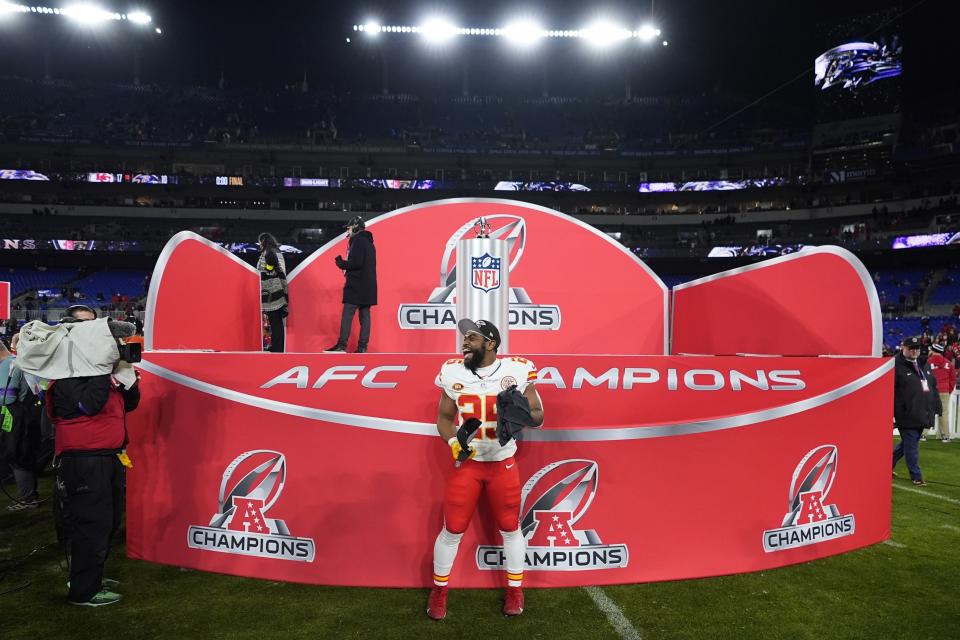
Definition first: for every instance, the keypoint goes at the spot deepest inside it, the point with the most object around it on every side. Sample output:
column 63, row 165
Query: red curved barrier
column 202, row 297
column 573, row 288
column 687, row 467
column 286, row 466
column 819, row 301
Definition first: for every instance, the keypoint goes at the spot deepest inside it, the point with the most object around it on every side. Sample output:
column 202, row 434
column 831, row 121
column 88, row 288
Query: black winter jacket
column 913, row 408
column 75, row 397
column 361, row 270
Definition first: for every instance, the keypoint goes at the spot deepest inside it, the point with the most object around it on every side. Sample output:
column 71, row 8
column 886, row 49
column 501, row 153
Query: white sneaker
column 20, row 506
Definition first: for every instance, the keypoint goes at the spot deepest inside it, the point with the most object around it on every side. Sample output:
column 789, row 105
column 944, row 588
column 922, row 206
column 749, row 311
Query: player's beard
column 472, row 359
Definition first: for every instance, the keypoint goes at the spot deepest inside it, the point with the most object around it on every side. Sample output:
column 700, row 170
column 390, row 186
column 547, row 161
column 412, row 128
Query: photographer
column 89, row 415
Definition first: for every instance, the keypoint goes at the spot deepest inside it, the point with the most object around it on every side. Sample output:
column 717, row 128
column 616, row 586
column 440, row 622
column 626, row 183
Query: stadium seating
column 149, row 113
column 23, row 280
column 127, row 282
column 948, row 290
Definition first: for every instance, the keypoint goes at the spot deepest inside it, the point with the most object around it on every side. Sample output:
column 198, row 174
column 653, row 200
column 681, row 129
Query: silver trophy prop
column 483, row 282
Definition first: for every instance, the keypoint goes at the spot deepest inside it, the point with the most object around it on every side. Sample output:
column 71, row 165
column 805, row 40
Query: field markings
column 949, row 527
column 895, row 545
column 929, row 494
column 614, row 614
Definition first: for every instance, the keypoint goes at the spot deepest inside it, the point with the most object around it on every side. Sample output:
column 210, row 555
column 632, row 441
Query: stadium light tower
column 139, row 17
column 371, row 28
column 648, row 32
column 86, row 13
column 524, row 33
column 604, row 33
column 438, row 30
column 82, row 13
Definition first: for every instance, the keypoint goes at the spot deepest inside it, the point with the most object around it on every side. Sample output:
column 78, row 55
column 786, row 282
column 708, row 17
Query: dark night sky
column 750, row 46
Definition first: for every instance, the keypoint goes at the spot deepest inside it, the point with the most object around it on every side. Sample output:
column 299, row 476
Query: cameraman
column 89, row 414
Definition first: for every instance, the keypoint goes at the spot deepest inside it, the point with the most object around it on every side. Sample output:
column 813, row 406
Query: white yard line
column 950, row 527
column 614, row 614
column 929, row 494
column 895, row 545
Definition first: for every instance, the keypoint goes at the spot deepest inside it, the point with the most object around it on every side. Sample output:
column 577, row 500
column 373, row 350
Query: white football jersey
column 476, row 397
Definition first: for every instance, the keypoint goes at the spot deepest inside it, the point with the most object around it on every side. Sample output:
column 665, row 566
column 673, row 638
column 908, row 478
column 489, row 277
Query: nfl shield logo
column 485, row 272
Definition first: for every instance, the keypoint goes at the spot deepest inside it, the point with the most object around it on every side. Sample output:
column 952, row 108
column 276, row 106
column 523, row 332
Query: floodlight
column 158, row 31
column 87, row 13
column 648, row 32
column 438, row 30
column 602, row 34
column 139, row 17
column 523, row 33
column 372, row 29
column 9, row 7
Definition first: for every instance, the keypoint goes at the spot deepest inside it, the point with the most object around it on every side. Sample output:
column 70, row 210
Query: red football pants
column 500, row 481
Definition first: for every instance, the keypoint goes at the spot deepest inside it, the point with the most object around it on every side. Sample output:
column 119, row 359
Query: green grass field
column 908, row 588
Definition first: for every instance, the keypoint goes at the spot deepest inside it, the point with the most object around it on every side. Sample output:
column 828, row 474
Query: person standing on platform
column 479, row 387
column 946, row 375
column 273, row 289
column 915, row 403
column 360, row 288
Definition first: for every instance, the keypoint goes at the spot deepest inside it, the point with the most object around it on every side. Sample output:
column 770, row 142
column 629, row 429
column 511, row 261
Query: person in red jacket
column 89, row 414
column 946, row 375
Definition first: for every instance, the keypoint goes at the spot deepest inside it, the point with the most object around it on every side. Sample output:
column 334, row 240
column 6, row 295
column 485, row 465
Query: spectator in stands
column 360, row 288
column 915, row 402
column 273, row 289
column 943, row 370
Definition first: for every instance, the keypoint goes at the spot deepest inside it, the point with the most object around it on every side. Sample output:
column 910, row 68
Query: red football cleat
column 513, row 604
column 437, row 603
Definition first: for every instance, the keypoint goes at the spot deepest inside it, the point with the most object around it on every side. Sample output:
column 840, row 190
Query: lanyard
column 916, row 365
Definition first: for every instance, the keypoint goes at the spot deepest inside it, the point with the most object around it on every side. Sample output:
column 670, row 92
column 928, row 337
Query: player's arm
column 536, row 408
column 447, row 417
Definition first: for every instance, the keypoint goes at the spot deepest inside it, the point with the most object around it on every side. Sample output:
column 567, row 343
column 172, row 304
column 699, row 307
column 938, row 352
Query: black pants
column 346, row 320
column 91, row 491
column 277, row 334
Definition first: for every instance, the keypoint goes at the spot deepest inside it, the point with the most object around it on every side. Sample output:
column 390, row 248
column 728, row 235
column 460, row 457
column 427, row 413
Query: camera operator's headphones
column 78, row 307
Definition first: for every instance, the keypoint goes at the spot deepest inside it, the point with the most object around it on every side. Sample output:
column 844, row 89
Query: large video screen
column 505, row 185
column 858, row 71
column 926, row 240
column 710, row 185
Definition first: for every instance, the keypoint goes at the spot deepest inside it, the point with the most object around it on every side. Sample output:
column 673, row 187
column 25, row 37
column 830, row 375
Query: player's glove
column 460, row 444
column 459, row 454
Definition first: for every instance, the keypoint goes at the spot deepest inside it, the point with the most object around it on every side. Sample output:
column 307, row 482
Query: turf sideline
column 614, row 615
column 929, row 494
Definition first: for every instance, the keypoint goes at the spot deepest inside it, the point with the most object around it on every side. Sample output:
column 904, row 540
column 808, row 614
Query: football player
column 469, row 387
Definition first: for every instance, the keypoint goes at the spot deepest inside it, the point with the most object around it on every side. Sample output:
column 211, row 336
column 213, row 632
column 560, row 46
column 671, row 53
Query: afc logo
column 252, row 519
column 809, row 519
column 553, row 530
column 250, row 487
column 553, row 500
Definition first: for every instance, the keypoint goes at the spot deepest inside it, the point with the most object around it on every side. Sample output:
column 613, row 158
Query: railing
column 53, row 315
